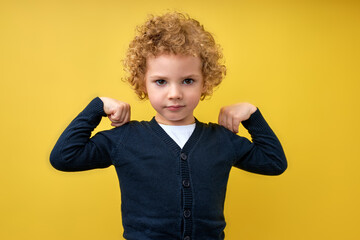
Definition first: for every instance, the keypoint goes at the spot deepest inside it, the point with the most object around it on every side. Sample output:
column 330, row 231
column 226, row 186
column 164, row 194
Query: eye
column 160, row 82
column 188, row 81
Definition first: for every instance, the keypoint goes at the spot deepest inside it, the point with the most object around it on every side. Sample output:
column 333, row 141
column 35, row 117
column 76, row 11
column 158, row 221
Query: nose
column 175, row 92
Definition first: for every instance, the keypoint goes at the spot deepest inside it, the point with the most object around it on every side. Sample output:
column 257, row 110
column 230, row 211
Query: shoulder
column 128, row 128
column 215, row 129
column 221, row 135
column 218, row 137
column 211, row 126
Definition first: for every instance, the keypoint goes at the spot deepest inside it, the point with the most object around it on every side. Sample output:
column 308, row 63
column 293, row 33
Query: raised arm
column 75, row 150
column 264, row 155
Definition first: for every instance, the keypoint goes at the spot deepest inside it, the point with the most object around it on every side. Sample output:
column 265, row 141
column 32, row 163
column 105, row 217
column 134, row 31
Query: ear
column 143, row 92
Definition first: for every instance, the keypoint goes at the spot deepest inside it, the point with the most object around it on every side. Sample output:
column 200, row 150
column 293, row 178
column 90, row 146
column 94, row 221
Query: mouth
column 175, row 107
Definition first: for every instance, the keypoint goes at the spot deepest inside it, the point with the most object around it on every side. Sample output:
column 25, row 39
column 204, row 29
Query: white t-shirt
column 180, row 134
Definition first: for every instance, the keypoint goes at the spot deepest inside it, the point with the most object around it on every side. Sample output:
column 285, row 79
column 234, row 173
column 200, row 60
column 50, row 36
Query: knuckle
column 116, row 118
column 119, row 107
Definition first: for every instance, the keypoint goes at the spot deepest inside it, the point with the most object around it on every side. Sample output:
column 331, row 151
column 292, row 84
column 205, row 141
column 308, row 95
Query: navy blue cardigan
column 168, row 192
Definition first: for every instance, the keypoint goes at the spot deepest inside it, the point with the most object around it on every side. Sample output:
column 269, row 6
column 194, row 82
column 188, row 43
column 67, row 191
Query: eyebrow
column 164, row 77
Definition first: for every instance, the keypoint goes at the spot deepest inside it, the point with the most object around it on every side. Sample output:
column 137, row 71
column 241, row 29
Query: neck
column 174, row 123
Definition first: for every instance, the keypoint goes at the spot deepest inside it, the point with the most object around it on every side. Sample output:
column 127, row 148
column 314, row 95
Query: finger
column 116, row 124
column 127, row 115
column 236, row 124
column 124, row 118
column 113, row 121
column 115, row 115
column 222, row 117
column 219, row 118
column 223, row 120
column 229, row 122
column 122, row 112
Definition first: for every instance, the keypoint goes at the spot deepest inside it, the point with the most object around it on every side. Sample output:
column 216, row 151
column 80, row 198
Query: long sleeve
column 75, row 150
column 264, row 155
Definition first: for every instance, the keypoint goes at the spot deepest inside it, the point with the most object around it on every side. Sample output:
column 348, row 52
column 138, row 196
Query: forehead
column 166, row 63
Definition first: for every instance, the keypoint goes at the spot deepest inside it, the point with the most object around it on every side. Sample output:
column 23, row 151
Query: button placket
column 187, row 194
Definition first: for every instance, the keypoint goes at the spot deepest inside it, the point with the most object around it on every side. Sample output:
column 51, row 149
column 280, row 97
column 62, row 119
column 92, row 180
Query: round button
column 186, row 183
column 186, row 238
column 187, row 213
column 183, row 156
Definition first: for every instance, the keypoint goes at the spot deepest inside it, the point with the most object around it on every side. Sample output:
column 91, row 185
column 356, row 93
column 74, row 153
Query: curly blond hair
column 173, row 33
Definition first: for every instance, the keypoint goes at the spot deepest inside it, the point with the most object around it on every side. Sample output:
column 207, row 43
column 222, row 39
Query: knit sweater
column 168, row 192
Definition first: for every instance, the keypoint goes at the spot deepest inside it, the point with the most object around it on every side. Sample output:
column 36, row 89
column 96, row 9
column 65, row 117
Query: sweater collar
column 171, row 143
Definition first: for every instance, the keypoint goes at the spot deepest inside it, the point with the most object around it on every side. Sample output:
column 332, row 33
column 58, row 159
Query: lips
column 175, row 107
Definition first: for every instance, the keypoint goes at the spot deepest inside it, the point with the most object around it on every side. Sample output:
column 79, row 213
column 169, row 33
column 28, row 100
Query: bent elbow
column 56, row 161
column 280, row 170
column 280, row 167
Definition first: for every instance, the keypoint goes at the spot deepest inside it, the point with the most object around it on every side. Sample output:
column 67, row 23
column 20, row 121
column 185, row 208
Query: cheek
column 195, row 96
column 154, row 98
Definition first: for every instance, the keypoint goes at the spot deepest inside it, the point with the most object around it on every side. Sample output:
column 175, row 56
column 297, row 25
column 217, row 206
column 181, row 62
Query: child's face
column 174, row 84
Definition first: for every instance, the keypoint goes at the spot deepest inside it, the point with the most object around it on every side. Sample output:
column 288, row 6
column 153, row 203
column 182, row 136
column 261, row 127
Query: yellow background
column 298, row 61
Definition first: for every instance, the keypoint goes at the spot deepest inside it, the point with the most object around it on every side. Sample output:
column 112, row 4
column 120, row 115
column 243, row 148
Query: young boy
column 173, row 170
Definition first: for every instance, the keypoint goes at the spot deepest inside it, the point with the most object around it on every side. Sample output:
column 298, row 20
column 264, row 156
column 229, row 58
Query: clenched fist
column 231, row 116
column 118, row 112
